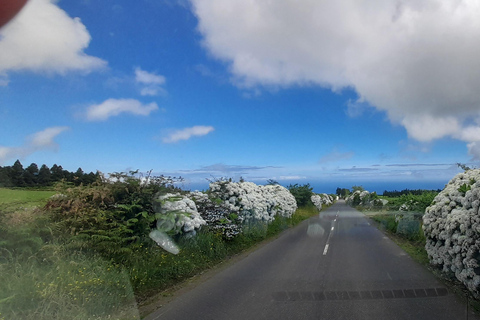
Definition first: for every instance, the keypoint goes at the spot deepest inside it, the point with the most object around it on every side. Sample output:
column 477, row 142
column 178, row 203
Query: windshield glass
column 143, row 142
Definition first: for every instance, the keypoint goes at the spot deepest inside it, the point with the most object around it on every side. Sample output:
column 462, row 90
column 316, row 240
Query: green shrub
column 302, row 194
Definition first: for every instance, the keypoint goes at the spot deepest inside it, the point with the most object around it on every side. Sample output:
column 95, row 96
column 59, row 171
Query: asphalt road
column 334, row 266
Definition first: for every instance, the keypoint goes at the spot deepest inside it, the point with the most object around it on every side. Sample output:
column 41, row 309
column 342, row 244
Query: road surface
column 334, row 266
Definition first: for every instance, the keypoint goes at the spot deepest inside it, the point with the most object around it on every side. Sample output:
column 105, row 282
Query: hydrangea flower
column 321, row 199
column 251, row 201
column 452, row 229
column 183, row 210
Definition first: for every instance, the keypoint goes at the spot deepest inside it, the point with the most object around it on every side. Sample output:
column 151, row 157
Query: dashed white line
column 325, row 250
column 328, row 239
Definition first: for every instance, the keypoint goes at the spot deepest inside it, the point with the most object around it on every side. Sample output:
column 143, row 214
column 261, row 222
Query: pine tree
column 44, row 176
column 30, row 175
column 57, row 173
column 16, row 174
column 5, row 180
column 79, row 177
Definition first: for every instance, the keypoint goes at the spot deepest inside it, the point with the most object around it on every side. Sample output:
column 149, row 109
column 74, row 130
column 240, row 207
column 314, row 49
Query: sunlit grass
column 67, row 286
column 21, row 199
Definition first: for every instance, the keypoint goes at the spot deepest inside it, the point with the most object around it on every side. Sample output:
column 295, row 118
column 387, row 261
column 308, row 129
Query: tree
column 271, row 182
column 5, row 180
column 342, row 192
column 30, row 175
column 302, row 194
column 16, row 174
column 44, row 176
column 57, row 173
column 79, row 177
column 357, row 188
column 463, row 166
column 89, row 178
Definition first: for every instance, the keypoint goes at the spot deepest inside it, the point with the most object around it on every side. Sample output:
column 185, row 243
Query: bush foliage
column 302, row 193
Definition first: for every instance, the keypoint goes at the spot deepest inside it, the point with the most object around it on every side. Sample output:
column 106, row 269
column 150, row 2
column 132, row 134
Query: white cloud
column 474, row 150
column 45, row 139
column 152, row 82
column 42, row 140
column 417, row 60
column 427, row 127
column 8, row 153
column 114, row 107
column 145, row 77
column 43, row 38
column 187, row 133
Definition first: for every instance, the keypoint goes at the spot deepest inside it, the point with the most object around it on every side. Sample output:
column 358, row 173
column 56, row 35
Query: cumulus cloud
column 416, row 60
column 42, row 140
column 43, row 38
column 45, row 139
column 187, row 133
column 114, row 107
column 152, row 83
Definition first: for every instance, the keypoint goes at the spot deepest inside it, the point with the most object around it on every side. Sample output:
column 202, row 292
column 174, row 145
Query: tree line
column 33, row 176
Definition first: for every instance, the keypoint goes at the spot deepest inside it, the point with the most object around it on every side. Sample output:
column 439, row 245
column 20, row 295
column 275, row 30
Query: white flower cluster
column 360, row 195
column 408, row 206
column 186, row 217
column 365, row 199
column 253, row 201
column 218, row 217
column 320, row 199
column 452, row 229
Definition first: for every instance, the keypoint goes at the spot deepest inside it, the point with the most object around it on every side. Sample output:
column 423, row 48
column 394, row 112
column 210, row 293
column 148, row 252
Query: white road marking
column 328, row 239
column 325, row 250
column 389, row 277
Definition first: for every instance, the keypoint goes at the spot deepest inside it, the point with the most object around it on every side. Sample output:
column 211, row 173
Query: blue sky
column 331, row 94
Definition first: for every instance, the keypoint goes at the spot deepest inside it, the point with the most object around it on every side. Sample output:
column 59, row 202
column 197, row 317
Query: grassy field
column 17, row 199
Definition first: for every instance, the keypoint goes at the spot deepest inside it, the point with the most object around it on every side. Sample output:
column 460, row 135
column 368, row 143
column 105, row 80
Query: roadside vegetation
column 85, row 250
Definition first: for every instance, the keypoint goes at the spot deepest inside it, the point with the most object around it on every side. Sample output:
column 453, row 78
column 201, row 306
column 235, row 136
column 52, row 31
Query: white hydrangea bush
column 357, row 197
column 366, row 199
column 452, row 229
column 217, row 215
column 177, row 212
column 251, row 201
column 321, row 199
column 225, row 208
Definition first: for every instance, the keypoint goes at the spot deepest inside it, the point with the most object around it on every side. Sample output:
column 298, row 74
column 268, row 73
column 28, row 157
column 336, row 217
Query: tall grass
column 71, row 286
column 48, row 277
